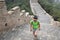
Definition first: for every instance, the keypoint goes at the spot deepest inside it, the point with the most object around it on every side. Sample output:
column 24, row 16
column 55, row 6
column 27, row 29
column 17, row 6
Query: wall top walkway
column 44, row 17
column 33, row 1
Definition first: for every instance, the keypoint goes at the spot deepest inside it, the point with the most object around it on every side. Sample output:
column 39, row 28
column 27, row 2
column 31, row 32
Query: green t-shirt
column 34, row 24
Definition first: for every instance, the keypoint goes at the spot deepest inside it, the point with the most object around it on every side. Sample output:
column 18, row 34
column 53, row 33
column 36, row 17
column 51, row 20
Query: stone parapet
column 15, row 18
column 56, row 23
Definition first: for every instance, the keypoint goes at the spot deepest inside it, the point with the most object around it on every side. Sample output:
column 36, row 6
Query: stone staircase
column 47, row 32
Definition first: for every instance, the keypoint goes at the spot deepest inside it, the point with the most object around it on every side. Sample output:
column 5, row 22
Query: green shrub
column 51, row 8
column 24, row 4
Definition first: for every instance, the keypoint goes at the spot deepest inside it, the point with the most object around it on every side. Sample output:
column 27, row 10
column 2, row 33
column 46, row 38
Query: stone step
column 23, row 33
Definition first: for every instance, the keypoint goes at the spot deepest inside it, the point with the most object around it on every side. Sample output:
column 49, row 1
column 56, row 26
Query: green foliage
column 51, row 7
column 24, row 5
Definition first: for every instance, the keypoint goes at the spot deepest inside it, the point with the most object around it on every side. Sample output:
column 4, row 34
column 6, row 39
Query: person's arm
column 39, row 25
column 30, row 27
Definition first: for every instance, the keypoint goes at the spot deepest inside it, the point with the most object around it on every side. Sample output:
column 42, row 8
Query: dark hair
column 35, row 17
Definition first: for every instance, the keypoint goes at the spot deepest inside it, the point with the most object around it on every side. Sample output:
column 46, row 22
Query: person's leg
column 35, row 32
